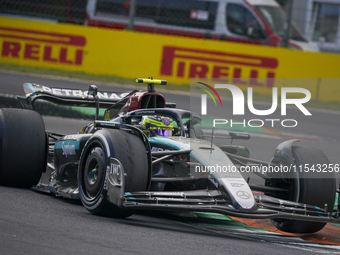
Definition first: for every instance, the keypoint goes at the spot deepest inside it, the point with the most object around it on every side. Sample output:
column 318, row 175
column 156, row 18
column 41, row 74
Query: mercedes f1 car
column 125, row 162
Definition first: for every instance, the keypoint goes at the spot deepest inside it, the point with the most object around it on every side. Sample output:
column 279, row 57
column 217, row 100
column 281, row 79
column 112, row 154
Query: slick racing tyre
column 129, row 150
column 313, row 188
column 23, row 147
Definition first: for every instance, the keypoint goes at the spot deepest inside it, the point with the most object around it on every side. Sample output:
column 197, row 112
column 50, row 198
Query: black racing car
column 117, row 164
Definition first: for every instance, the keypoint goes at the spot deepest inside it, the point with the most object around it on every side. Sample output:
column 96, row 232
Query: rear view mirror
column 93, row 90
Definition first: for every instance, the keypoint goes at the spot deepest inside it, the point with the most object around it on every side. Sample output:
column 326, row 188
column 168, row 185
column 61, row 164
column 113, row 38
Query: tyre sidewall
column 315, row 189
column 127, row 149
column 23, row 147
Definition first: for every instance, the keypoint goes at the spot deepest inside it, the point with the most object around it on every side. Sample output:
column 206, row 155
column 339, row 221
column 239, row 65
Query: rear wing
column 69, row 97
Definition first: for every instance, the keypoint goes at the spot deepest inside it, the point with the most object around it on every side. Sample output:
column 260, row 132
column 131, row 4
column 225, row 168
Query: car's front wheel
column 126, row 148
column 308, row 187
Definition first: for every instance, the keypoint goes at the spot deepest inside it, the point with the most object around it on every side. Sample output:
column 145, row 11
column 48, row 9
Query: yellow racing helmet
column 157, row 125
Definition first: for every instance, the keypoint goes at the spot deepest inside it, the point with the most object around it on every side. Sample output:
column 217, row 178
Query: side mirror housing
column 93, row 90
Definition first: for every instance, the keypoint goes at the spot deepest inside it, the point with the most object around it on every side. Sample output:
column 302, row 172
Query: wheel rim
column 290, row 182
column 94, row 173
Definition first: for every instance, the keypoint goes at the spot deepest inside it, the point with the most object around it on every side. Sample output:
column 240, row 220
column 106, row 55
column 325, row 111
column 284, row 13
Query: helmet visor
column 162, row 132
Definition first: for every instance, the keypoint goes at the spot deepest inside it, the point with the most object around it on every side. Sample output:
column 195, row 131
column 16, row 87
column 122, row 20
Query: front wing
column 212, row 201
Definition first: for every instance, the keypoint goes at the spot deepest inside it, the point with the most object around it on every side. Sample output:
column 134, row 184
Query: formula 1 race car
column 145, row 154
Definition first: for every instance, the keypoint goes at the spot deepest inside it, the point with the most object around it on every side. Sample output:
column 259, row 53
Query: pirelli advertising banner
column 176, row 59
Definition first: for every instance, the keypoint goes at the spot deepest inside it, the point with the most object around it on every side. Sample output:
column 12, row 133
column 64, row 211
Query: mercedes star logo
column 242, row 194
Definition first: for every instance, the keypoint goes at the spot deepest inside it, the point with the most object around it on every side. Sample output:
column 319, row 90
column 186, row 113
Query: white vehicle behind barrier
column 260, row 22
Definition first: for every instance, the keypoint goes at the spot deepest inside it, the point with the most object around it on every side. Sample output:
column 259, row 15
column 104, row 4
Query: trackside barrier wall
column 132, row 54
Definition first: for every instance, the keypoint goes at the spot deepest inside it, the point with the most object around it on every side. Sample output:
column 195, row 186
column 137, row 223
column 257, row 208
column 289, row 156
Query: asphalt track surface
column 35, row 223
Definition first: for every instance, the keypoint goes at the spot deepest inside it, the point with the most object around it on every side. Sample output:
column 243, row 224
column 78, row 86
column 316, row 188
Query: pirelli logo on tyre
column 42, row 46
column 230, row 67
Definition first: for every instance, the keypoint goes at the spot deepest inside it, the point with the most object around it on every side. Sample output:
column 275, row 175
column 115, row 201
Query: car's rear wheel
column 129, row 150
column 309, row 187
column 23, row 147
